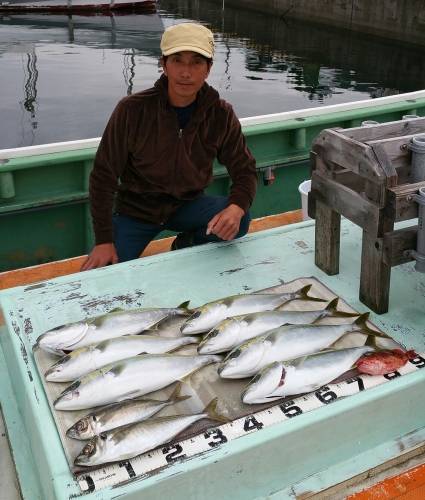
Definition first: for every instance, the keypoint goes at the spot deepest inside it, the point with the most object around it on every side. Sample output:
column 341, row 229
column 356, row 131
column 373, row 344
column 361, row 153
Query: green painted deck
column 307, row 454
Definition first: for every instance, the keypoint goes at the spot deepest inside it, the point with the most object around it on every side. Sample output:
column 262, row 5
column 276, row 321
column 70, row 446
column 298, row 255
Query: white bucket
column 304, row 189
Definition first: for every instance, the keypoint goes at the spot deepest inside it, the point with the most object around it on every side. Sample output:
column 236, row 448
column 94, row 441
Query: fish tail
column 303, row 294
column 332, row 310
column 175, row 396
column 361, row 323
column 211, row 411
column 185, row 305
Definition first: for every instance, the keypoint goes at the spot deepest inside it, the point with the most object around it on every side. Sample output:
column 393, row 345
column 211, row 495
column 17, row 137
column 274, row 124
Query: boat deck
column 315, row 454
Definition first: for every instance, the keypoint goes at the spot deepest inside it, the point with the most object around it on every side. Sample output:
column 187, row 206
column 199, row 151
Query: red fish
column 383, row 362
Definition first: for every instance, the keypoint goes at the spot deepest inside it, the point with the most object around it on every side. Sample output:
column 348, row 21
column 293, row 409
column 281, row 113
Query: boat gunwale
column 276, row 121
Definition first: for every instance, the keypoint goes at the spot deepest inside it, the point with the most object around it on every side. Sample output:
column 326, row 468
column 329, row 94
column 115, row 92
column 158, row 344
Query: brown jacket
column 153, row 167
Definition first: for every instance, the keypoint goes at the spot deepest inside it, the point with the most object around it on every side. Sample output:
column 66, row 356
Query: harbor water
column 61, row 76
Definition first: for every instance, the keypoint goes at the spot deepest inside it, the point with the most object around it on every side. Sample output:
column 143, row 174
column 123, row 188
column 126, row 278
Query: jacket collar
column 207, row 96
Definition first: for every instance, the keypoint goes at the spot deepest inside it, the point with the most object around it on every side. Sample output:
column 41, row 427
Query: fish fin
column 361, row 322
column 332, row 310
column 185, row 305
column 211, row 411
column 371, row 342
column 332, row 306
column 175, row 396
column 304, row 292
column 186, row 379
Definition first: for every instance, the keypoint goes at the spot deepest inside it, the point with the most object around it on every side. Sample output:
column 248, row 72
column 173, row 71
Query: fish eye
column 103, row 436
column 81, row 425
column 94, row 418
column 213, row 334
column 89, row 449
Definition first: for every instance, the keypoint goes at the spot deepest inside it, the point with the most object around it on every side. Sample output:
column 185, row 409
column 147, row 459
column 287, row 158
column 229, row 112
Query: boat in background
column 76, row 6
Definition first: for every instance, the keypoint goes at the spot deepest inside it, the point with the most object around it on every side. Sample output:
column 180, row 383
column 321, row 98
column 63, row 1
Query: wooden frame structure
column 363, row 174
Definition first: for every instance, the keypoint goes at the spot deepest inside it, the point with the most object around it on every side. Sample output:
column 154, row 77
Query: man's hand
column 226, row 223
column 100, row 256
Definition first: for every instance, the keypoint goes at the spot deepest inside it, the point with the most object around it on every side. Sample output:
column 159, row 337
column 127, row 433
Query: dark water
column 61, row 76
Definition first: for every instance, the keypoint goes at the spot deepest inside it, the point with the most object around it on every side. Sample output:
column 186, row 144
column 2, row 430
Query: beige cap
column 187, row 36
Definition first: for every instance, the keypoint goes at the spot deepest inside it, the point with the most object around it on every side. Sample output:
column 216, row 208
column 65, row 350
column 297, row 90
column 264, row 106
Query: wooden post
column 327, row 235
column 375, row 275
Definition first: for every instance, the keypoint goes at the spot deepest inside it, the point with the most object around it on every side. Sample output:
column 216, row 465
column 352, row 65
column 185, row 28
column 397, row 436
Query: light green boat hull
column 43, row 189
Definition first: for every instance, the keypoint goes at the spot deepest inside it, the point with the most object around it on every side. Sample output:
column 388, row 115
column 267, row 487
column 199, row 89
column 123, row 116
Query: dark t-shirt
column 184, row 114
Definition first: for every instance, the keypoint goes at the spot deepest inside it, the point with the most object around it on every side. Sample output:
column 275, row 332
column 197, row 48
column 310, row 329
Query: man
column 156, row 157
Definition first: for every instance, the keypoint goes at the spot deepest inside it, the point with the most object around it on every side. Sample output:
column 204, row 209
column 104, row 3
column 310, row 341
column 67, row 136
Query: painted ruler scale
column 142, row 465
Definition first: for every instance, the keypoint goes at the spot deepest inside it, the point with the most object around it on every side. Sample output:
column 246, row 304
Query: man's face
column 186, row 72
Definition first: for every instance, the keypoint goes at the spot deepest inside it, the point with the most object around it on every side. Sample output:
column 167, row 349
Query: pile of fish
column 115, row 360
column 287, row 352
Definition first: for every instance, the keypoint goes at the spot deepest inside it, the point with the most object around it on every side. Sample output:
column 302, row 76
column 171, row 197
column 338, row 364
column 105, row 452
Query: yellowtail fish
column 234, row 331
column 66, row 338
column 119, row 414
column 209, row 315
column 283, row 343
column 86, row 359
column 297, row 376
column 129, row 378
column 132, row 440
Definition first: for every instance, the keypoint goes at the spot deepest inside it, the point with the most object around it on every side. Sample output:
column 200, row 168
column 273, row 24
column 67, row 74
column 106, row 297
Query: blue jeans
column 131, row 236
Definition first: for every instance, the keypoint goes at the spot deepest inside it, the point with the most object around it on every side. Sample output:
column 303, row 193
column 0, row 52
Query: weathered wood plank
column 327, row 238
column 385, row 161
column 348, row 153
column 386, row 130
column 346, row 202
column 349, row 179
column 396, row 149
column 375, row 275
column 396, row 243
column 400, row 204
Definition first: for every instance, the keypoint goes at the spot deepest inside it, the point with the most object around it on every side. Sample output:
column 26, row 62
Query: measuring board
column 114, row 474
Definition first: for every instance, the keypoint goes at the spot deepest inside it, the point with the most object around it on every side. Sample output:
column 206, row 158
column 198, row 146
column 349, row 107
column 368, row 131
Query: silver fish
column 297, row 376
column 234, row 331
column 86, row 359
column 209, row 315
column 65, row 338
column 129, row 378
column 283, row 343
column 132, row 440
column 119, row 414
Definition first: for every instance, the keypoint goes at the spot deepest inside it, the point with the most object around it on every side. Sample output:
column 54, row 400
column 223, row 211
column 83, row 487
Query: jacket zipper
column 180, row 133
